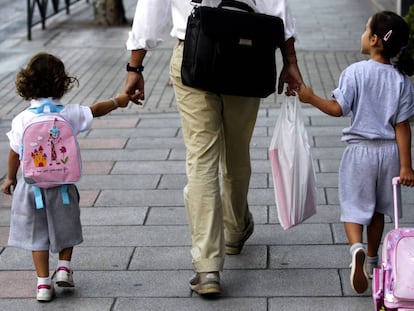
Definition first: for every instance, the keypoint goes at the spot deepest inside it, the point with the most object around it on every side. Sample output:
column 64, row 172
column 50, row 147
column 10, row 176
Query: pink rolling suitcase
column 393, row 282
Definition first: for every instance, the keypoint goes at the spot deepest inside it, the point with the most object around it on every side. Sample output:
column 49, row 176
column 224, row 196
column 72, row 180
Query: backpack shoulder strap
column 38, row 197
column 46, row 103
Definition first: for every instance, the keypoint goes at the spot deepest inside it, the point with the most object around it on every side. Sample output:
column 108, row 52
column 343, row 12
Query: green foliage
column 409, row 18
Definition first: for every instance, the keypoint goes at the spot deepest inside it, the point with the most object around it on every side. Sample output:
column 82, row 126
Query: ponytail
column 394, row 32
column 404, row 61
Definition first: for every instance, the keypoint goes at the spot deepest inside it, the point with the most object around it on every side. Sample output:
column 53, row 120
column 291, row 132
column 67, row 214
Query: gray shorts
column 365, row 176
column 54, row 227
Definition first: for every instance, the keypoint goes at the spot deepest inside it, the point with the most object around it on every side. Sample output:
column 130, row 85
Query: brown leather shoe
column 206, row 283
column 236, row 247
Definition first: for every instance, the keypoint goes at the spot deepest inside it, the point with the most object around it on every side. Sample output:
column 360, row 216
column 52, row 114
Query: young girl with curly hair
column 56, row 227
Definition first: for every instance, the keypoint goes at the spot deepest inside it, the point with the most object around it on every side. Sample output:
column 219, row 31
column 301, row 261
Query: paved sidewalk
column 136, row 253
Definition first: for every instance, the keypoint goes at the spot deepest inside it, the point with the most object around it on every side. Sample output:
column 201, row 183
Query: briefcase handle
column 236, row 4
column 229, row 3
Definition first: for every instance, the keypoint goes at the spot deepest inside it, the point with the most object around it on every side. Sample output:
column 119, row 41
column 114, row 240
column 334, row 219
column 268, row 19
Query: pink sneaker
column 64, row 277
column 44, row 292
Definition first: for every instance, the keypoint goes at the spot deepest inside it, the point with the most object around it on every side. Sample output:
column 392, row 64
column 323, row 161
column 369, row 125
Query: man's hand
column 290, row 75
column 134, row 87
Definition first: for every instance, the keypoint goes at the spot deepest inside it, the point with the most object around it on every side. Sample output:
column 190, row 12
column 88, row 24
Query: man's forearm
column 288, row 52
column 137, row 57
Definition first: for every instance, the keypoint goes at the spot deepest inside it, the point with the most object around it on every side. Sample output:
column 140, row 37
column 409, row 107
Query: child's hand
column 8, row 185
column 305, row 93
column 407, row 177
column 122, row 99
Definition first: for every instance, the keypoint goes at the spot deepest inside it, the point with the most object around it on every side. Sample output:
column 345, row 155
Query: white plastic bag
column 294, row 179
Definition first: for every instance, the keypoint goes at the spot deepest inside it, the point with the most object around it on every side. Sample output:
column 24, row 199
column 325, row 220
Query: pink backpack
column 393, row 282
column 50, row 154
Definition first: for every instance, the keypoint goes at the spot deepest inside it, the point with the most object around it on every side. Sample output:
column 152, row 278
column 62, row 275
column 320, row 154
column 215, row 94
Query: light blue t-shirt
column 377, row 96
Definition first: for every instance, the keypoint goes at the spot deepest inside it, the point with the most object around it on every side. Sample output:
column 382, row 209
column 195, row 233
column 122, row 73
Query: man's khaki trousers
column 217, row 131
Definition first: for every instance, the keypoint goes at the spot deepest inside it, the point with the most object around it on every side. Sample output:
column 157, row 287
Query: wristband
column 134, row 69
column 116, row 104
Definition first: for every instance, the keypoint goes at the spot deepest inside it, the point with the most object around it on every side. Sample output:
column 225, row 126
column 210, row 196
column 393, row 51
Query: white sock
column 356, row 246
column 63, row 263
column 44, row 281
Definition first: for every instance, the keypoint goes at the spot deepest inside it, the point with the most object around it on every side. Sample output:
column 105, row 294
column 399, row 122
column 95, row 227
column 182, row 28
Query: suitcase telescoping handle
column 395, row 183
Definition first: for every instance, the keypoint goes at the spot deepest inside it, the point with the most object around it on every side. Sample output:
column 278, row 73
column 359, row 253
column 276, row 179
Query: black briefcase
column 231, row 52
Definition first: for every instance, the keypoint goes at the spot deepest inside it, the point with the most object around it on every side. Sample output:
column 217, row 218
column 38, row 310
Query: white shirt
column 79, row 117
column 153, row 18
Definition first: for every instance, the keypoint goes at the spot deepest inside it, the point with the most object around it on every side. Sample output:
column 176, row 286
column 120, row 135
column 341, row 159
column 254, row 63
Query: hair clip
column 387, row 35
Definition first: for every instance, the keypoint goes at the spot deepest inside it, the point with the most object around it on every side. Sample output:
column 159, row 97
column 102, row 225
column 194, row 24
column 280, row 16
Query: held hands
column 134, row 87
column 290, row 75
column 122, row 99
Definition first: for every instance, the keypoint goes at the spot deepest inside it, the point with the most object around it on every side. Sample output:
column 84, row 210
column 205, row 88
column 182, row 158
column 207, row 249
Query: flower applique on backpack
column 50, row 154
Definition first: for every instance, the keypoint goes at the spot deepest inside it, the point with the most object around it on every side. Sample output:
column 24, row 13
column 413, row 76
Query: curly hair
column 44, row 77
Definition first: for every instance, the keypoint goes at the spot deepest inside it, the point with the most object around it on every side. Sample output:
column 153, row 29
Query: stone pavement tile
column 5, row 201
column 191, row 304
column 408, row 213
column 19, row 284
column 327, row 141
column 156, row 142
column 115, row 122
column 175, row 215
column 178, row 258
column 308, row 234
column 136, row 236
column 4, row 216
column 107, row 143
column 332, row 196
column 346, row 284
column 287, row 282
column 59, row 303
column 309, row 256
column 84, row 258
column 326, row 180
column 329, row 165
column 88, row 197
column 114, row 216
column 106, row 284
column 325, row 303
column 160, row 120
column 160, row 197
column 96, row 167
column 166, row 215
column 327, row 153
column 134, row 132
column 262, row 196
column 178, row 181
column 113, row 181
column 338, row 233
column 143, row 154
column 4, row 235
